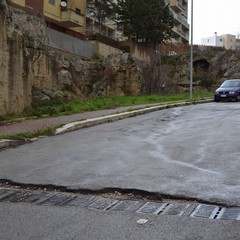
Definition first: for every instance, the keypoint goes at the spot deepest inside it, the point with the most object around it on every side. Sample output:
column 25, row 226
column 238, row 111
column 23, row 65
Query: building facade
column 63, row 15
column 180, row 31
column 179, row 9
column 228, row 41
column 69, row 16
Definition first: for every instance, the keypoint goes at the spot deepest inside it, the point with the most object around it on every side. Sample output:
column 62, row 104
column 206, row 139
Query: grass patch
column 27, row 135
column 58, row 108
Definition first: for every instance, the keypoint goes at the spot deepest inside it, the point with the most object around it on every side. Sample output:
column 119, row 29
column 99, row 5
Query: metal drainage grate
column 152, row 208
column 57, row 199
column 206, row 211
column 229, row 214
column 216, row 212
column 176, row 209
column 18, row 196
column 104, row 204
column 34, row 197
column 5, row 192
column 81, row 200
column 126, row 205
column 24, row 196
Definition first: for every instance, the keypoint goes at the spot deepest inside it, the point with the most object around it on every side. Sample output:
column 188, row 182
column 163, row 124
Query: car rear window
column 231, row 84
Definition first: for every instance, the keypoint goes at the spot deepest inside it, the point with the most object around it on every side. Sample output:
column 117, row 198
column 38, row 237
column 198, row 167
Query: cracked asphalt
column 186, row 152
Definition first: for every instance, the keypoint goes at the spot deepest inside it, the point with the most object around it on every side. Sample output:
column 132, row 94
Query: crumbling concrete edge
column 118, row 116
column 6, row 143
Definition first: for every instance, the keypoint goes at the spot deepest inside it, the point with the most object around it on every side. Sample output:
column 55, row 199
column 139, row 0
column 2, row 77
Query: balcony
column 70, row 18
column 179, row 32
column 177, row 7
column 185, row 25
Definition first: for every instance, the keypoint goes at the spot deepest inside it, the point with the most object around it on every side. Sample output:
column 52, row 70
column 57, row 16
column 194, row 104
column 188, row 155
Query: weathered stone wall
column 209, row 69
column 60, row 74
column 17, row 41
column 30, row 71
column 12, row 94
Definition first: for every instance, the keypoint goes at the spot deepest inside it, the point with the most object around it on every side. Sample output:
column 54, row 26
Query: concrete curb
column 6, row 143
column 115, row 117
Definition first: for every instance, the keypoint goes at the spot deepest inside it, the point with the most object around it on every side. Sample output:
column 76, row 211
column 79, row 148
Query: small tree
column 156, row 77
column 99, row 9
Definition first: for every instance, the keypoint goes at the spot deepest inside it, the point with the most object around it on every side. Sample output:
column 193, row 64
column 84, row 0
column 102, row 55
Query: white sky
column 210, row 16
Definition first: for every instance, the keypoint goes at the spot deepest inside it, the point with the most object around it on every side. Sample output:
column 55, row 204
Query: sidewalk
column 32, row 125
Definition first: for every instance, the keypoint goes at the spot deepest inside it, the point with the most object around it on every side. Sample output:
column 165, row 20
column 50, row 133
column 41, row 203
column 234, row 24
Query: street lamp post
column 191, row 60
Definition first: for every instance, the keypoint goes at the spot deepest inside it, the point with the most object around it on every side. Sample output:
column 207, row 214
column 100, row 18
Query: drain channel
column 96, row 202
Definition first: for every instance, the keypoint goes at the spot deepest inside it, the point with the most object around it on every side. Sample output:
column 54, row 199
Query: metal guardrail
column 63, row 41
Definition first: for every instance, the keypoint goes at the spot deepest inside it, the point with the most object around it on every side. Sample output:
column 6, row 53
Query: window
column 220, row 39
column 51, row 2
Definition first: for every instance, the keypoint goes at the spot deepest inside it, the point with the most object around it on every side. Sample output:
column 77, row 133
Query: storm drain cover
column 82, row 200
column 176, row 209
column 152, row 207
column 103, row 203
column 17, row 196
column 125, row 205
column 205, row 211
column 36, row 196
column 57, row 199
column 230, row 214
column 5, row 192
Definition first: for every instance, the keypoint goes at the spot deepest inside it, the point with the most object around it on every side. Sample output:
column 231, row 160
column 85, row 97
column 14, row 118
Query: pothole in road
column 117, row 202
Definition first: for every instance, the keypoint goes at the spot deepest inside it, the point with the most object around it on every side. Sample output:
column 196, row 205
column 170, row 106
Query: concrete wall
column 104, row 49
column 139, row 52
column 229, row 41
column 19, row 2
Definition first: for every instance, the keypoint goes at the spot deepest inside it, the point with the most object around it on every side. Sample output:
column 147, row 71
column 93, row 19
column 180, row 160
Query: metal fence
column 68, row 43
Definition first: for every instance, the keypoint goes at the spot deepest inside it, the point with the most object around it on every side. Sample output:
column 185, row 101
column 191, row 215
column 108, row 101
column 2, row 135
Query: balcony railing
column 179, row 31
column 70, row 18
column 175, row 5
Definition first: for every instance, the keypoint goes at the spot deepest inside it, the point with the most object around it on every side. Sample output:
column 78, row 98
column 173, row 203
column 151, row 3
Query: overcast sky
column 210, row 16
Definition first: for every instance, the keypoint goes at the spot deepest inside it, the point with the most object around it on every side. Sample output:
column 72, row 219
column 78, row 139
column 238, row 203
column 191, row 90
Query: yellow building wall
column 54, row 11
column 82, row 5
column 19, row 2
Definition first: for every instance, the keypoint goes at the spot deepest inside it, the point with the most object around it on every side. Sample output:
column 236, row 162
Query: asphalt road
column 28, row 222
column 186, row 152
column 190, row 151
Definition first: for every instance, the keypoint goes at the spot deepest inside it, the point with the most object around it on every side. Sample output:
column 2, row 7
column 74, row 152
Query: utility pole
column 191, row 58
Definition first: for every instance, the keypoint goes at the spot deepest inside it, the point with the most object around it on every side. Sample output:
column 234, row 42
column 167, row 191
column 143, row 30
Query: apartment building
column 69, row 16
column 66, row 16
column 179, row 9
column 107, row 29
column 228, row 41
